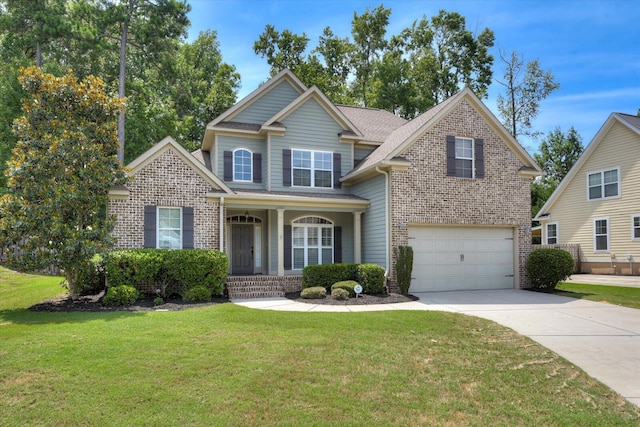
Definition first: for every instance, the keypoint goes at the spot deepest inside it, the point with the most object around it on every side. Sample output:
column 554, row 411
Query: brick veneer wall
column 501, row 198
column 166, row 181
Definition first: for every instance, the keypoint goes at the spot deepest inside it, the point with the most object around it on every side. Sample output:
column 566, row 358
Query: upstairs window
column 604, row 184
column 312, row 168
column 242, row 165
column 465, row 157
column 552, row 233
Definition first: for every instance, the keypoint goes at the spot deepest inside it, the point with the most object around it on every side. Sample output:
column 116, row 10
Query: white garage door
column 461, row 258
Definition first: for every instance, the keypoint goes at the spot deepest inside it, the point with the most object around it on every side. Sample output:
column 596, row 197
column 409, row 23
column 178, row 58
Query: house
column 597, row 205
column 285, row 179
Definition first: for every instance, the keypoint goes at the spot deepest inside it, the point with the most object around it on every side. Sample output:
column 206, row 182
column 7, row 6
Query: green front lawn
column 229, row 365
column 628, row 297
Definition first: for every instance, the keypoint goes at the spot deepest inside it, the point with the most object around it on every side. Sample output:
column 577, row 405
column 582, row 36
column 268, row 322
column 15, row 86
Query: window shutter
column 228, row 166
column 257, row 167
column 149, row 226
column 337, row 245
column 451, row 155
column 288, row 247
column 286, row 168
column 337, row 172
column 479, row 152
column 187, row 228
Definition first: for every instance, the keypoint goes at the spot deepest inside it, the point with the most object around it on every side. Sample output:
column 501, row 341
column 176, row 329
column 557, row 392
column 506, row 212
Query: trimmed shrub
column 548, row 266
column 158, row 301
column 340, row 294
column 314, row 292
column 195, row 267
column 91, row 276
column 404, row 266
column 371, row 277
column 327, row 274
column 347, row 285
column 198, row 293
column 121, row 295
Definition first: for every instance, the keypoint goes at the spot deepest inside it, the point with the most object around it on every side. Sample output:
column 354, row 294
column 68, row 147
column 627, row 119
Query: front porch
column 241, row 287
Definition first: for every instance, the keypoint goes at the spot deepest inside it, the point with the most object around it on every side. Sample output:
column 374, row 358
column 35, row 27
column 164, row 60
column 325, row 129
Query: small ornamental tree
column 62, row 168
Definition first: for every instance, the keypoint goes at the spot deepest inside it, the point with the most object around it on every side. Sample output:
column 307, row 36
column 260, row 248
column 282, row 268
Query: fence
column 17, row 252
column 573, row 249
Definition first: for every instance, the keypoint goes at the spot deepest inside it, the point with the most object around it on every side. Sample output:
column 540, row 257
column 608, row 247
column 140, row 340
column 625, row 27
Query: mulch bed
column 363, row 299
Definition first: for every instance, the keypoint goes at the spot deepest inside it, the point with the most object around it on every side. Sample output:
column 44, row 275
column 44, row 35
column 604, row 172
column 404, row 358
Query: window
column 464, row 157
column 169, row 228
column 601, row 234
column 312, row 242
column 635, row 227
column 242, row 165
column 312, row 168
column 552, row 233
column 603, row 184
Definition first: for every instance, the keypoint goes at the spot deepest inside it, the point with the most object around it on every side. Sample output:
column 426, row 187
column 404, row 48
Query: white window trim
column 312, row 169
column 306, row 246
column 158, row 229
column 602, row 251
column 633, row 236
column 233, row 164
column 601, row 172
column 546, row 228
column 472, row 158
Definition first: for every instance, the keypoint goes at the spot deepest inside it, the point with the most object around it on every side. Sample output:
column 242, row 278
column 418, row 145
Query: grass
column 229, row 365
column 628, row 297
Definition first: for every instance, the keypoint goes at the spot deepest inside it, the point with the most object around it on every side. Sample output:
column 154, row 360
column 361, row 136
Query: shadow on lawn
column 24, row 316
column 570, row 294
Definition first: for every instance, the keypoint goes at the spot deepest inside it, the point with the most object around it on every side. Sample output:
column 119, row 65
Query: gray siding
column 230, row 143
column 268, row 104
column 373, row 220
column 360, row 153
column 310, row 127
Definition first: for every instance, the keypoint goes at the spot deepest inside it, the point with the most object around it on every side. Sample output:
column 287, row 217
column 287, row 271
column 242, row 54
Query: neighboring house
column 286, row 179
column 597, row 205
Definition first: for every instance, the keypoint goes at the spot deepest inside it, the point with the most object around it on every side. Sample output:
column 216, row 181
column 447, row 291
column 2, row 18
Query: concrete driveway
column 602, row 339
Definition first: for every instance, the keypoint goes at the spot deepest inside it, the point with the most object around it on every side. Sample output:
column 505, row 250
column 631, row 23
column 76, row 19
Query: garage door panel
column 486, row 263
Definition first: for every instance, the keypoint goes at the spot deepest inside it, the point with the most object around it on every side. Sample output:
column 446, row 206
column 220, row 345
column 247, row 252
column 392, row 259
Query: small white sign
column 357, row 289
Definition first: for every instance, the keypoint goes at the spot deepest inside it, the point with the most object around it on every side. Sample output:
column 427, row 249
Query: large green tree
column 62, row 169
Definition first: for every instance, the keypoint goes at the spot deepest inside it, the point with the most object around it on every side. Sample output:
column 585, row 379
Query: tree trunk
column 121, row 78
column 38, row 55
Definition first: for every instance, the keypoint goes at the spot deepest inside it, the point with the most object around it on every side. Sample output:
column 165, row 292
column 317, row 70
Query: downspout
column 222, row 224
column 387, row 229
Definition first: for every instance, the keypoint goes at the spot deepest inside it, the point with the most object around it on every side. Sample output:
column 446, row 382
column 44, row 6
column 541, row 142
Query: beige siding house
column 597, row 205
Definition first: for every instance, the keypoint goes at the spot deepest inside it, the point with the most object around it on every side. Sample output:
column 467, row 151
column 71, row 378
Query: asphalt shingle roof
column 375, row 125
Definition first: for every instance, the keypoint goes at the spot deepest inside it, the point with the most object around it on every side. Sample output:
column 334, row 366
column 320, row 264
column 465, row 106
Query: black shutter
column 337, row 245
column 257, row 167
column 451, row 155
column 337, row 172
column 149, row 226
column 288, row 247
column 228, row 166
column 286, row 168
column 187, row 228
column 479, row 153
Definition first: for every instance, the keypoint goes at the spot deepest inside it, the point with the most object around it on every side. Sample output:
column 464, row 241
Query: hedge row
column 161, row 271
column 369, row 276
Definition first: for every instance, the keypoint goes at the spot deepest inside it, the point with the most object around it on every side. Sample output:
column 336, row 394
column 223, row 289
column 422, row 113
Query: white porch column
column 280, row 242
column 357, row 238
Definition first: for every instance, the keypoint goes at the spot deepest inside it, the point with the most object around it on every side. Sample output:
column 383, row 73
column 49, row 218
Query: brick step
column 240, row 287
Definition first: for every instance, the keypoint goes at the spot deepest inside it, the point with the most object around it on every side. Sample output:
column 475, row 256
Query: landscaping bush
column 371, row 277
column 91, row 276
column 121, row 295
column 327, row 274
column 340, row 294
column 158, row 301
column 198, row 293
column 135, row 267
column 404, row 267
column 195, row 267
column 314, row 292
column 546, row 267
column 347, row 285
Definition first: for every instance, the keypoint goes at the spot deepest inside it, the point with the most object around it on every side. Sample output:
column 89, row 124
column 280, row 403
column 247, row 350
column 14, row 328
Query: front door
column 242, row 247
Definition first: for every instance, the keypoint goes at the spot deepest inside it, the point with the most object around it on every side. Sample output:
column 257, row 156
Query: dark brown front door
column 242, row 247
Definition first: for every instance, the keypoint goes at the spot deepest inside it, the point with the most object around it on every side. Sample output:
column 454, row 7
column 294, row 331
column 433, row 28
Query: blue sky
column 590, row 46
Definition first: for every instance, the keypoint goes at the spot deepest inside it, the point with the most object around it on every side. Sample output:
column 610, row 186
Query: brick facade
column 501, row 198
column 166, row 181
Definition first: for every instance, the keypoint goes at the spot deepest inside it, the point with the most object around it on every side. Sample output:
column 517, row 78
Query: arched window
column 242, row 165
column 312, row 241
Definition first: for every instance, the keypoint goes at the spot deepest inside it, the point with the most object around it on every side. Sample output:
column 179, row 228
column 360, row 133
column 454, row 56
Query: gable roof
column 627, row 120
column 374, row 124
column 169, row 143
column 407, row 134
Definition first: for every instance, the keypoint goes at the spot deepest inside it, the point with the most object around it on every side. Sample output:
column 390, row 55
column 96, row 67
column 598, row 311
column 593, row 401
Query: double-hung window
column 601, row 234
column 552, row 233
column 312, row 168
column 169, row 231
column 312, row 242
column 242, row 165
column 604, row 184
column 635, row 227
column 464, row 157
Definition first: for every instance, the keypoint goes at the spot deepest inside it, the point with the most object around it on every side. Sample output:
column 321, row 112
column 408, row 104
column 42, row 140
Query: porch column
column 280, row 242
column 357, row 238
